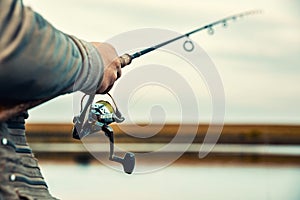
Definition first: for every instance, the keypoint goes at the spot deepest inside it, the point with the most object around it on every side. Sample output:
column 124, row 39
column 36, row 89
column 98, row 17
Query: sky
column 257, row 58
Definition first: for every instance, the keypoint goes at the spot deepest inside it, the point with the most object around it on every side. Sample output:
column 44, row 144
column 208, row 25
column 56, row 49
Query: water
column 176, row 182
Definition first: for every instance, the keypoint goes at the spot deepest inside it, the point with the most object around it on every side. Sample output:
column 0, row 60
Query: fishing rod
column 126, row 59
column 95, row 117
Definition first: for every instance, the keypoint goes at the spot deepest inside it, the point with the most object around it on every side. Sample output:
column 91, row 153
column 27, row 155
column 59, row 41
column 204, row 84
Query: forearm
column 37, row 61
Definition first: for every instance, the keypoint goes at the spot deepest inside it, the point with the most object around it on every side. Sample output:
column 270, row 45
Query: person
column 38, row 63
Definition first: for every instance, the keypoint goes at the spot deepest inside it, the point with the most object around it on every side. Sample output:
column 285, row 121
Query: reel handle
column 125, row 60
column 128, row 162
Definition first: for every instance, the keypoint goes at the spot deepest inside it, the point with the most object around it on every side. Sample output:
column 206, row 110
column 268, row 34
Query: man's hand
column 112, row 66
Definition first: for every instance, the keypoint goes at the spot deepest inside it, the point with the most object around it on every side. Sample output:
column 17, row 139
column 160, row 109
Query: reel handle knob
column 125, row 59
column 128, row 162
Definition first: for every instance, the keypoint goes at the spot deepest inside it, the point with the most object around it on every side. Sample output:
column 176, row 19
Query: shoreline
column 238, row 143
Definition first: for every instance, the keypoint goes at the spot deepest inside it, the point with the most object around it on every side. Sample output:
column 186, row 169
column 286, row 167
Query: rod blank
column 126, row 59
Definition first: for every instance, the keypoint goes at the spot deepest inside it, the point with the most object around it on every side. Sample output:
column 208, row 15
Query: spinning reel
column 97, row 117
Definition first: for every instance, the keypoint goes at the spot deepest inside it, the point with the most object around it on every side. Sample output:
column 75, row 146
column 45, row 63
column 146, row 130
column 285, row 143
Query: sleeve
column 38, row 61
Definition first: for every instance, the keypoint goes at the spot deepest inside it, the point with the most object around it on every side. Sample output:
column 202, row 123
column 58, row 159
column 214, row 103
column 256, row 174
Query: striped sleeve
column 38, row 61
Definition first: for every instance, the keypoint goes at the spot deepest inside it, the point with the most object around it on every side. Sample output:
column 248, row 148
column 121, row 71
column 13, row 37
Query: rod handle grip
column 125, row 60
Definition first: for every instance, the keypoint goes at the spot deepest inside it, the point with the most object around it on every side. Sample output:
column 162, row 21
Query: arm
column 38, row 61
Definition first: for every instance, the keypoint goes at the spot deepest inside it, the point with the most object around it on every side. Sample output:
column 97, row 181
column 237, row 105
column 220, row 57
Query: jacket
column 39, row 62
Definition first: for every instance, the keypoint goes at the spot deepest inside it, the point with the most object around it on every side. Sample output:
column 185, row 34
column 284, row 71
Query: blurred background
column 258, row 153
